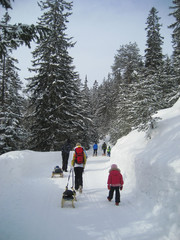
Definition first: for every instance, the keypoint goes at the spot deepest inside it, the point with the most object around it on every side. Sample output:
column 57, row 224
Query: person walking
column 95, row 148
column 79, row 162
column 109, row 151
column 115, row 183
column 104, row 147
column 66, row 148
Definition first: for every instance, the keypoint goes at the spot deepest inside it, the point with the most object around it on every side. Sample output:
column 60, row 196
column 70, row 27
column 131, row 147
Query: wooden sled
column 68, row 196
column 60, row 174
column 57, row 172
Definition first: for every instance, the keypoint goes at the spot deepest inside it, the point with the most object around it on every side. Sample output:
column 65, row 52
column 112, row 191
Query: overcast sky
column 99, row 28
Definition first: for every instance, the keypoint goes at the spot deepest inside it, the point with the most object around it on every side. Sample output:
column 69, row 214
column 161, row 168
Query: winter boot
column 108, row 199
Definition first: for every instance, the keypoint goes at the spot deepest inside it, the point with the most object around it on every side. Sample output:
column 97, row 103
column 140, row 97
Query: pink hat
column 113, row 166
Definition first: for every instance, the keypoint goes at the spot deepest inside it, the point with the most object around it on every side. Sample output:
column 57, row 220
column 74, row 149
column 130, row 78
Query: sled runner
column 57, row 172
column 69, row 195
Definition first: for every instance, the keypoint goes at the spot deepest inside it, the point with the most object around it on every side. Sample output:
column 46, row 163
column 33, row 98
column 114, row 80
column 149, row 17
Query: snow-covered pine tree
column 113, row 89
column 169, row 86
column 153, row 52
column 11, row 102
column 94, row 99
column 176, row 39
column 103, row 111
column 156, row 87
column 94, row 96
column 18, row 34
column 121, row 125
column 127, row 65
column 89, row 132
column 146, row 100
column 149, row 99
column 56, row 113
column 127, row 61
column 6, row 3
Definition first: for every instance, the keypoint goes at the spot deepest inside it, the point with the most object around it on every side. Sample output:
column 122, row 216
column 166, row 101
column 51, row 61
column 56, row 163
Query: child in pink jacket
column 115, row 183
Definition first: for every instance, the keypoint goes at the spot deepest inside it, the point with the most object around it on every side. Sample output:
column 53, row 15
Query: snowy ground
column 30, row 200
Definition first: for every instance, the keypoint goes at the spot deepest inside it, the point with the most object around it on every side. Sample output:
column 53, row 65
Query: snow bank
column 151, row 170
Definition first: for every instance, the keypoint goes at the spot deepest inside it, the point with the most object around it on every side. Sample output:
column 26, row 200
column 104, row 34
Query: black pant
column 65, row 157
column 78, row 177
column 95, row 152
column 117, row 194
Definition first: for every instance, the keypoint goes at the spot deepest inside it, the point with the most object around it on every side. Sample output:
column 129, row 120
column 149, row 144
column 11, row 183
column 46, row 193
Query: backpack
column 79, row 158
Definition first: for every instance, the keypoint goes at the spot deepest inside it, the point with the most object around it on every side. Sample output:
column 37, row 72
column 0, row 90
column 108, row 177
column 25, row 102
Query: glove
column 109, row 187
column 121, row 187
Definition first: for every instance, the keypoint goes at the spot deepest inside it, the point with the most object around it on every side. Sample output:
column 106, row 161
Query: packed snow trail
column 30, row 202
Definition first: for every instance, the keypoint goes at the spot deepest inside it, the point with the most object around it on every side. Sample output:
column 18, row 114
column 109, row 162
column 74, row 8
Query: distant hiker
column 115, row 182
column 78, row 162
column 109, row 151
column 95, row 148
column 104, row 147
column 66, row 148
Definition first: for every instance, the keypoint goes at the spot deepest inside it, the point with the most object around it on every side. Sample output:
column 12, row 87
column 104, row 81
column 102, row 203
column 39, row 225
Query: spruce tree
column 55, row 88
column 153, row 52
column 86, row 106
column 104, row 109
column 18, row 34
column 6, row 4
column 127, row 61
column 176, row 38
column 94, row 99
column 11, row 102
column 126, row 68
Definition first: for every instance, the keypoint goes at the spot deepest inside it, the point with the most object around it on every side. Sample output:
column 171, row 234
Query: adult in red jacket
column 115, row 183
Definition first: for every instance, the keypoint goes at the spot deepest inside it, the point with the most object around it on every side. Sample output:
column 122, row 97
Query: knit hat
column 113, row 166
column 78, row 144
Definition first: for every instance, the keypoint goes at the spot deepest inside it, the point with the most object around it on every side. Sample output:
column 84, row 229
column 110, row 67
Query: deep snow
column 30, row 200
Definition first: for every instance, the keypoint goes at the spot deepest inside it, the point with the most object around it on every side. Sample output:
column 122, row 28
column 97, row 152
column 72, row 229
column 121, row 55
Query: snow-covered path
column 30, row 201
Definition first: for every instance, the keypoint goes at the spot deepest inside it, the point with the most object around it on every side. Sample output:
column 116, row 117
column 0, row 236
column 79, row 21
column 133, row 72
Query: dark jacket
column 66, row 148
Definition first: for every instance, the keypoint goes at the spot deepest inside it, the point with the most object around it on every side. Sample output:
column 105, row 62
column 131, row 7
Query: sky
column 99, row 28
column 30, row 200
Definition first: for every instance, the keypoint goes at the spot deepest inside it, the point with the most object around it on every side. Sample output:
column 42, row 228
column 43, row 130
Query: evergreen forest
column 56, row 105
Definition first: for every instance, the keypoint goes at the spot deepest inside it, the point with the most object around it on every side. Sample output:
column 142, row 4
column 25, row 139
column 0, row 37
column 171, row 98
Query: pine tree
column 18, row 34
column 127, row 61
column 126, row 68
column 11, row 102
column 94, row 99
column 6, row 3
column 168, row 83
column 176, row 38
column 104, row 108
column 153, row 52
column 121, row 124
column 55, row 89
column 86, row 106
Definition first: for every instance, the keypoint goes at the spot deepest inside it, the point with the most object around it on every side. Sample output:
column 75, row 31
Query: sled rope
column 68, row 178
column 71, row 172
column 73, row 178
